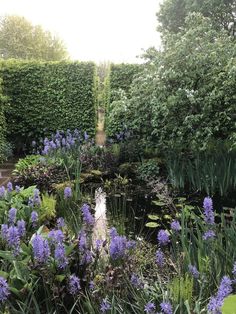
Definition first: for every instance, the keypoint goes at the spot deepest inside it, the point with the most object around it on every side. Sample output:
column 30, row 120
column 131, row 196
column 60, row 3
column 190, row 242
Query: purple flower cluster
column 136, row 281
column 150, row 308
column 13, row 234
column 4, row 289
column 209, row 234
column 12, row 215
column 67, row 192
column 193, row 271
column 56, row 236
column 166, row 308
column 163, row 237
column 2, row 191
column 21, row 227
column 88, row 219
column 60, row 256
column 105, row 306
column 118, row 247
column 34, row 218
column 209, row 215
column 9, row 187
column 74, row 285
column 41, row 250
column 160, row 258
column 60, row 222
column 224, row 290
column 175, row 226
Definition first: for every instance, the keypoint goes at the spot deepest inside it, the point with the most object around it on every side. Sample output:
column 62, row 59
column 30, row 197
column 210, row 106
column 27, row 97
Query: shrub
column 45, row 97
column 148, row 170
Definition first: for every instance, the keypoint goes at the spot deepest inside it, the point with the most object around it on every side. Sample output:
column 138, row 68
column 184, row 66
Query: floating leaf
column 158, row 203
column 153, row 217
column 152, row 224
column 229, row 305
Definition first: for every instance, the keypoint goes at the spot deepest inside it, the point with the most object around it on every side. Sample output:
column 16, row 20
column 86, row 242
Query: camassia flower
column 41, row 250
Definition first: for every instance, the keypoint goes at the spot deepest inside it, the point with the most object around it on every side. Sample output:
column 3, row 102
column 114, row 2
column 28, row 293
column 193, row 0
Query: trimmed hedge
column 121, row 77
column 48, row 96
column 2, row 125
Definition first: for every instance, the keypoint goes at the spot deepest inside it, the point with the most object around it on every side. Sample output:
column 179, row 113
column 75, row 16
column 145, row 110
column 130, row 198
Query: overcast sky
column 97, row 30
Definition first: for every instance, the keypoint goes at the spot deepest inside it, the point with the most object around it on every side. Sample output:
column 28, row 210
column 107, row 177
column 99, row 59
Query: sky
column 94, row 30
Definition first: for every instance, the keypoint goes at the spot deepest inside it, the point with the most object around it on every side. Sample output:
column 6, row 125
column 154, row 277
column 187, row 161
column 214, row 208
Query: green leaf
column 60, row 278
column 158, row 203
column 153, row 217
column 152, row 225
column 229, row 305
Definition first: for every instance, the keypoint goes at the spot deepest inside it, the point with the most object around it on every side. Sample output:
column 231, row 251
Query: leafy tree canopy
column 20, row 39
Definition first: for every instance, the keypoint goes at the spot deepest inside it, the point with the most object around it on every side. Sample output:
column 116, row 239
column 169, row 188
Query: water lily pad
column 153, row 217
column 152, row 224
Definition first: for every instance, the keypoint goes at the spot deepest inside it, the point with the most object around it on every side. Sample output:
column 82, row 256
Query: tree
column 172, row 13
column 20, row 39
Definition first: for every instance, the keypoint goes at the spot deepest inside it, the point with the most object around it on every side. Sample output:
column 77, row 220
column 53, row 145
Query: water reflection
column 100, row 230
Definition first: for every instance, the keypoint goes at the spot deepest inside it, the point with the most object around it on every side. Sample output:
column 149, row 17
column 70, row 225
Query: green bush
column 46, row 96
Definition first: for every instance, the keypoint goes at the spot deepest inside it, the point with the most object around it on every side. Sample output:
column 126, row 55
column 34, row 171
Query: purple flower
column 131, row 245
column 60, row 256
column 175, row 225
column 105, row 306
column 149, row 308
column 60, row 222
column 224, row 290
column 12, row 215
column 4, row 231
column 46, row 149
column 41, row 249
column 9, row 187
column 91, row 285
column 82, row 241
column 209, row 216
column 17, row 188
column 2, row 191
column 34, row 218
column 87, row 258
column 118, row 247
column 113, row 232
column 160, row 258
column 193, row 271
column 56, row 236
column 67, row 192
column 21, row 227
column 136, row 281
column 163, row 237
column 4, row 289
column 36, row 198
column 166, row 308
column 13, row 239
column 210, row 234
column 98, row 244
column 74, row 285
column 87, row 217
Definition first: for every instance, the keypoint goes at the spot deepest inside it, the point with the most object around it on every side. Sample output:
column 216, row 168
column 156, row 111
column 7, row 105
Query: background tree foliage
column 21, row 40
column 173, row 13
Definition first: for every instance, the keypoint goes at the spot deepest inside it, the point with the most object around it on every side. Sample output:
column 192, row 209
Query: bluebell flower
column 82, row 241
column 34, row 218
column 12, row 215
column 60, row 256
column 67, row 192
column 118, row 247
column 17, row 188
column 160, row 258
column 193, row 271
column 13, row 239
column 210, row 234
column 113, row 232
column 9, row 187
column 41, row 250
column 163, row 237
column 166, row 308
column 21, row 227
column 209, row 215
column 74, row 285
column 87, row 216
column 56, row 236
column 150, row 308
column 2, row 191
column 136, row 281
column 4, row 289
column 87, row 258
column 60, row 222
column 4, row 231
column 217, row 301
column 175, row 225
column 105, row 306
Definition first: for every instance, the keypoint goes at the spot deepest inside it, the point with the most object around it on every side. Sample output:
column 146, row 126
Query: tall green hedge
column 2, row 125
column 48, row 96
column 121, row 77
